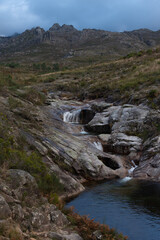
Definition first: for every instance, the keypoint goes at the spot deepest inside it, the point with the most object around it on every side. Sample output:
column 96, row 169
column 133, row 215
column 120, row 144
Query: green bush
column 56, row 67
column 12, row 65
column 47, row 182
column 152, row 94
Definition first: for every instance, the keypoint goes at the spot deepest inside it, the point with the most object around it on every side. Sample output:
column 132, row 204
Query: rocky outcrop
column 5, row 211
column 123, row 144
column 149, row 166
column 128, row 134
column 76, row 152
column 24, row 213
column 123, row 130
column 99, row 124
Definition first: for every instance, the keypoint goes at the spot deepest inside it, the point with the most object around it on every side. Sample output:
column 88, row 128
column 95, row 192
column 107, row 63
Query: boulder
column 120, row 143
column 5, row 211
column 19, row 178
column 57, row 217
column 64, row 236
column 149, row 165
column 104, row 137
column 99, row 124
column 130, row 119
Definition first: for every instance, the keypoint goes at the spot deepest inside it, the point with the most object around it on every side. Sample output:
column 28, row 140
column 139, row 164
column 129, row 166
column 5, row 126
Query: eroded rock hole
column 109, row 162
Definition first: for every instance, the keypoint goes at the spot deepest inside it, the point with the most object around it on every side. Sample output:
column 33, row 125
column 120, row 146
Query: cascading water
column 72, row 117
column 83, row 132
column 130, row 171
column 98, row 145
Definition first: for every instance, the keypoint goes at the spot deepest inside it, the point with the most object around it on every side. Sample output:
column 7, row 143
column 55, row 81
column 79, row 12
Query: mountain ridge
column 66, row 41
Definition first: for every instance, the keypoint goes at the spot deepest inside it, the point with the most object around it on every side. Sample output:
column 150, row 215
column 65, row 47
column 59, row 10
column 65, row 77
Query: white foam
column 83, row 132
column 98, row 145
column 126, row 179
column 130, row 171
column 72, row 117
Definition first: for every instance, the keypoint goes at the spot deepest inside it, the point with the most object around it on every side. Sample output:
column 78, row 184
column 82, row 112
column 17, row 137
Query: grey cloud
column 112, row 15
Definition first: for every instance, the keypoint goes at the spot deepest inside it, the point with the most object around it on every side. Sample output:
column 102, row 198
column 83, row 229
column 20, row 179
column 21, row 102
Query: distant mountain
column 66, row 41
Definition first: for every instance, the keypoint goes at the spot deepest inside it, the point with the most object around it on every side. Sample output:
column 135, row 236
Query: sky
column 111, row 15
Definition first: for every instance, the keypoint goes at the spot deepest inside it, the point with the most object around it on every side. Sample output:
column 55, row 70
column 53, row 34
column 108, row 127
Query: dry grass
column 87, row 227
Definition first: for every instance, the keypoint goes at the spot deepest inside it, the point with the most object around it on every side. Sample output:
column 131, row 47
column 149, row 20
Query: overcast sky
column 112, row 15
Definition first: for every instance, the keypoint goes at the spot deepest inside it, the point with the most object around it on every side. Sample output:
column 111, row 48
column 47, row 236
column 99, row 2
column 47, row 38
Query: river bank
column 77, row 142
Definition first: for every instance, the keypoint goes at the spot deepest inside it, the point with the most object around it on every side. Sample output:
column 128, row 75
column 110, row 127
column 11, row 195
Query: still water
column 132, row 207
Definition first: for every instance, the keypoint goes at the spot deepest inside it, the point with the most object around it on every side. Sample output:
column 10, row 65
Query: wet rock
column 86, row 115
column 125, row 119
column 130, row 119
column 149, row 165
column 122, row 144
column 104, row 137
column 99, row 124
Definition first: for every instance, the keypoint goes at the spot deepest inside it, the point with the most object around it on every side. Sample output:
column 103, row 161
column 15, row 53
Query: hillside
column 63, row 42
column 45, row 158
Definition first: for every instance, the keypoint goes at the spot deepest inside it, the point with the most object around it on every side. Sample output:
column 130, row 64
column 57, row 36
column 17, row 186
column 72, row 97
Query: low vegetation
column 14, row 156
column 90, row 229
column 134, row 79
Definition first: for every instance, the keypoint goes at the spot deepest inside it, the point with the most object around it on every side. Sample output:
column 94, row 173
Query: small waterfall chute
column 134, row 166
column 83, row 132
column 125, row 179
column 130, row 171
column 72, row 117
column 98, row 145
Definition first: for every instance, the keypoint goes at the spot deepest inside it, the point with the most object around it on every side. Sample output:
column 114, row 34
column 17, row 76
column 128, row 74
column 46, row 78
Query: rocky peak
column 55, row 27
column 34, row 31
column 68, row 28
column 64, row 28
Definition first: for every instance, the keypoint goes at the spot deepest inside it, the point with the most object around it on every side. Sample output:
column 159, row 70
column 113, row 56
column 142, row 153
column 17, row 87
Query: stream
column 130, row 206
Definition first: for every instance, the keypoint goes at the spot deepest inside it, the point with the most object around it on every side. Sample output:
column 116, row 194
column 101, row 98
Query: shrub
column 56, row 67
column 86, row 227
column 152, row 94
column 34, row 96
column 14, row 103
column 14, row 234
column 12, row 65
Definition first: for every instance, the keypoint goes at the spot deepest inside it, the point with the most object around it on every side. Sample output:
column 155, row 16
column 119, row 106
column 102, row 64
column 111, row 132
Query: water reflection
column 132, row 207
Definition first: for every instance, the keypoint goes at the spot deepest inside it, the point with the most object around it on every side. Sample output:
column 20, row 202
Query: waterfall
column 98, row 145
column 72, row 117
column 83, row 132
column 130, row 171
